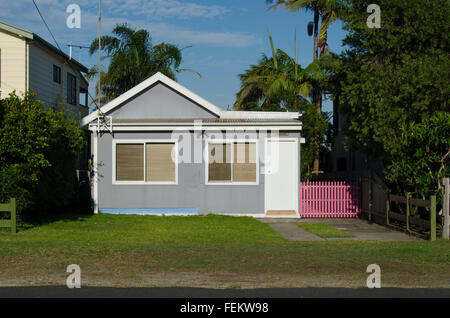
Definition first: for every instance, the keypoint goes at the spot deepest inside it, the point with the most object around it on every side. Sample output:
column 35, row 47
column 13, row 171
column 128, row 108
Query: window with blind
column 150, row 162
column 130, row 162
column 158, row 162
column 219, row 162
column 232, row 162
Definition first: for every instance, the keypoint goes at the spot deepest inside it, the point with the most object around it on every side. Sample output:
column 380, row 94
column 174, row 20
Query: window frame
column 143, row 142
column 58, row 79
column 73, row 100
column 230, row 141
column 84, row 91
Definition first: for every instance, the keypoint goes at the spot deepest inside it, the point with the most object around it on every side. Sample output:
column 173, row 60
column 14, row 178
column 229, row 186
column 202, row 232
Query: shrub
column 38, row 153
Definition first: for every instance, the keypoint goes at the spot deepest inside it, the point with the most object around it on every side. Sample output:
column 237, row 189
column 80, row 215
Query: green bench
column 9, row 207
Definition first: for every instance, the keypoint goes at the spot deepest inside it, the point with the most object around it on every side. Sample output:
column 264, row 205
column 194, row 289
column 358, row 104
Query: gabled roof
column 36, row 38
column 159, row 77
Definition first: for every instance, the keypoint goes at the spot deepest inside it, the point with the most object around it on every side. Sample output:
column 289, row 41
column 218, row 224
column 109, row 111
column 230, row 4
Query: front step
column 290, row 212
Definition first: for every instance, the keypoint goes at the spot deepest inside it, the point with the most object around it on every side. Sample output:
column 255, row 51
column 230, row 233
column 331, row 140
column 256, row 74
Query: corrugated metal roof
column 203, row 120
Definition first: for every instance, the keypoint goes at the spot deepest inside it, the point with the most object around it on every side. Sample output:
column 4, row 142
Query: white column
column 95, row 170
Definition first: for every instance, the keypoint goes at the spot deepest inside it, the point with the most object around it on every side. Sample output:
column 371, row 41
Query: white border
column 143, row 142
column 297, row 173
column 229, row 141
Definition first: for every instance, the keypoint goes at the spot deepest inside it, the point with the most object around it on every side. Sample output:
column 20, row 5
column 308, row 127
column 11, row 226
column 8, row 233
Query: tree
column 38, row 152
column 393, row 85
column 421, row 159
column 133, row 59
column 328, row 11
column 280, row 84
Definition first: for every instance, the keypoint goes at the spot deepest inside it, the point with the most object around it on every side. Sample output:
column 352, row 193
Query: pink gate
column 325, row 199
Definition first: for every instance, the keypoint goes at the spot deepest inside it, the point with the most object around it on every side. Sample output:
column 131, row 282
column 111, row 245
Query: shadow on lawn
column 69, row 214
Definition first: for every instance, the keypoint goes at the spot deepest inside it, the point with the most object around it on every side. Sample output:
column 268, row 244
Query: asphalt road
column 187, row 292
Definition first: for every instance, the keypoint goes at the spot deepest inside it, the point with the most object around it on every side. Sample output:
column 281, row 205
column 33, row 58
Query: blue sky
column 226, row 35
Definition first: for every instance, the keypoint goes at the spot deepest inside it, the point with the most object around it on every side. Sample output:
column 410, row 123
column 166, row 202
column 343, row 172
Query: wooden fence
column 409, row 218
column 11, row 222
column 329, row 199
column 375, row 203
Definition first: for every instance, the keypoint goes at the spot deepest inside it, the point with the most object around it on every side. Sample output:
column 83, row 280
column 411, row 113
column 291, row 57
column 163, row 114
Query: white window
column 145, row 162
column 232, row 162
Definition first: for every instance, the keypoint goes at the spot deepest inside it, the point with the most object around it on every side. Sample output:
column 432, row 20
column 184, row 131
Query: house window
column 159, row 165
column 145, row 162
column 83, row 98
column 232, row 162
column 71, row 89
column 219, row 164
column 56, row 74
column 130, row 162
column 244, row 162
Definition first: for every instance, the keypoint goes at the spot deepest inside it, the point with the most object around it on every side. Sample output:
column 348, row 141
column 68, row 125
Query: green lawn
column 324, row 230
column 206, row 250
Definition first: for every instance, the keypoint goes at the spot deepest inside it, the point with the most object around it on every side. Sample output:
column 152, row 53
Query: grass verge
column 125, row 250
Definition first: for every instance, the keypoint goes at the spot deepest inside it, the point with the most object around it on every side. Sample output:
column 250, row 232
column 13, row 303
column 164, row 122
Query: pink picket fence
column 325, row 199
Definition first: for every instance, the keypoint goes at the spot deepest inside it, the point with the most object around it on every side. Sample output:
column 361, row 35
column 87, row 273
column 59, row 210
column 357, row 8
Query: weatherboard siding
column 41, row 76
column 41, row 80
column 191, row 192
column 13, row 66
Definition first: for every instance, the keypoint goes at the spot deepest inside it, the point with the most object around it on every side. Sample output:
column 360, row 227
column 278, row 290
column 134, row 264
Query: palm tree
column 276, row 83
column 279, row 83
column 328, row 11
column 133, row 59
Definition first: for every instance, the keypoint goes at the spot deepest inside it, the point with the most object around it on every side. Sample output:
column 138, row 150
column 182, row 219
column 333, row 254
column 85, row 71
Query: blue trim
column 165, row 211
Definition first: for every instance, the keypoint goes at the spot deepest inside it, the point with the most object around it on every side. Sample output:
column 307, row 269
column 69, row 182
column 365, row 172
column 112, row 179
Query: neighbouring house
column 28, row 62
column 161, row 149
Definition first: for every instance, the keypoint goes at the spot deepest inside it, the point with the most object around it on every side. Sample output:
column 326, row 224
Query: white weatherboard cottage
column 161, row 149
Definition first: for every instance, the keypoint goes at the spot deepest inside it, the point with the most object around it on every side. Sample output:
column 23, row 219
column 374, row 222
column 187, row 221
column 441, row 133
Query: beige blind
column 244, row 162
column 219, row 162
column 159, row 164
column 129, row 162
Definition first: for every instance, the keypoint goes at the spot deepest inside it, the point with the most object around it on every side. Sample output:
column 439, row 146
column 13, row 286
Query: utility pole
column 99, row 93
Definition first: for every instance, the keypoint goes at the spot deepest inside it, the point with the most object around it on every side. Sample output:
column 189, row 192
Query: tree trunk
column 316, row 93
column 316, row 32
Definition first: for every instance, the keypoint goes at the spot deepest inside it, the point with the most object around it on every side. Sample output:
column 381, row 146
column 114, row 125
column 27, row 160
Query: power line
column 46, row 25
column 57, row 45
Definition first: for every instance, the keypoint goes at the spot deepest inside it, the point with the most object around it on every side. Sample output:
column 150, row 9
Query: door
column 282, row 177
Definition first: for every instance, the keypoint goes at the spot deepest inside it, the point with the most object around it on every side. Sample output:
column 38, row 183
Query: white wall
column 13, row 64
